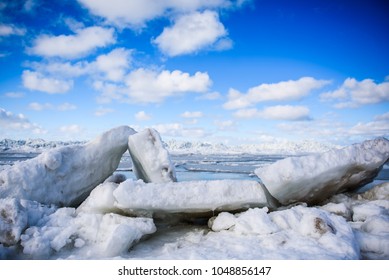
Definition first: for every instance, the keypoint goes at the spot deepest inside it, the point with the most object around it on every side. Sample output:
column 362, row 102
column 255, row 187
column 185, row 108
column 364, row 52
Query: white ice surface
column 151, row 161
column 66, row 175
column 139, row 198
column 313, row 178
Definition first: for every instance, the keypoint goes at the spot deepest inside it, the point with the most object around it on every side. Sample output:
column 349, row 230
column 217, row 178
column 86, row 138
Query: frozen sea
column 274, row 240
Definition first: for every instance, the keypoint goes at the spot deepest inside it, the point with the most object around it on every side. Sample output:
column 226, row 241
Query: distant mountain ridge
column 184, row 147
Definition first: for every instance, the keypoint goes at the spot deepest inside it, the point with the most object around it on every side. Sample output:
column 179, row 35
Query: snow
column 151, row 161
column 86, row 235
column 66, row 175
column 313, row 178
column 67, row 203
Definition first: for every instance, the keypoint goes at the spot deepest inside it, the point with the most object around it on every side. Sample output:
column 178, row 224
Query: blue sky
column 231, row 71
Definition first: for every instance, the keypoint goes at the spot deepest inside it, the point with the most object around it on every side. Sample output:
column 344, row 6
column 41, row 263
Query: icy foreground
column 313, row 178
column 65, row 176
column 109, row 216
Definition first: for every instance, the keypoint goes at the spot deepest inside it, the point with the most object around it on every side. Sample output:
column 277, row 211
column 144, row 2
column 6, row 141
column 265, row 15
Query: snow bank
column 16, row 216
column 151, row 161
column 313, row 178
column 139, row 198
column 66, row 175
column 368, row 215
column 296, row 233
column 83, row 236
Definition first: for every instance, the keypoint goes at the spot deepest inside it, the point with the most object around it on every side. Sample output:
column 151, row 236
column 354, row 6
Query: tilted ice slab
column 194, row 197
column 314, row 178
column 151, row 161
column 66, row 175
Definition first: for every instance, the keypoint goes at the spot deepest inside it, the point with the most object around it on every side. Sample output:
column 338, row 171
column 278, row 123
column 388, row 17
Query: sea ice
column 313, row 178
column 195, row 197
column 84, row 235
column 65, row 176
column 151, row 161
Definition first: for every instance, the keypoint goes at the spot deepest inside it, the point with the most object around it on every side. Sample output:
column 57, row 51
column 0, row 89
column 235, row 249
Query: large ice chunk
column 84, row 236
column 151, row 161
column 314, row 178
column 66, row 175
column 193, row 197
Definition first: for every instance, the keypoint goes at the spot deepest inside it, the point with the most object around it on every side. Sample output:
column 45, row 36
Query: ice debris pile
column 67, row 203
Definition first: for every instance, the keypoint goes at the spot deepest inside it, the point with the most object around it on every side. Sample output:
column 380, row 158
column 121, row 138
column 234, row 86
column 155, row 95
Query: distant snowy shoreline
column 185, row 147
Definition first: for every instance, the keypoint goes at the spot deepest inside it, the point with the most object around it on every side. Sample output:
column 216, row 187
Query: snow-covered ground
column 124, row 218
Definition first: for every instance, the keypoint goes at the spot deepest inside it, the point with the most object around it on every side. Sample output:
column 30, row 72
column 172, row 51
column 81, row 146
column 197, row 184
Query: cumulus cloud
column 36, row 106
column 179, row 130
column 10, row 29
column 114, row 64
column 196, row 114
column 282, row 91
column 354, row 94
column 10, row 121
column 76, row 45
column 37, row 81
column 225, row 125
column 280, row 112
column 142, row 116
column 150, row 86
column 14, row 94
column 191, row 33
column 111, row 66
column 378, row 127
column 103, row 111
column 71, row 129
column 136, row 13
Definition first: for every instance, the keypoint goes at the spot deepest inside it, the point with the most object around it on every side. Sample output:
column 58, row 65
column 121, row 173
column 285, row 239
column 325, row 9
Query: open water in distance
column 190, row 167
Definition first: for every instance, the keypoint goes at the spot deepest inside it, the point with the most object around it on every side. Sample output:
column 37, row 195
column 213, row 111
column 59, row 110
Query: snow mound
column 313, row 178
column 86, row 235
column 142, row 199
column 368, row 215
column 297, row 233
column 151, row 161
column 66, row 175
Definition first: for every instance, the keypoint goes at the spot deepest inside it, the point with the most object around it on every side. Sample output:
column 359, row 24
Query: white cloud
column 179, row 130
column 225, row 125
column 80, row 44
column 103, row 111
column 191, row 33
column 66, row 107
column 39, row 106
column 114, row 64
column 354, row 94
column 110, row 67
column 280, row 112
column 10, row 121
column 71, row 129
column 136, row 13
column 48, row 106
column 210, row 96
column 150, row 86
column 36, row 81
column 142, row 116
column 282, row 91
column 378, row 127
column 14, row 94
column 10, row 29
column 196, row 114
